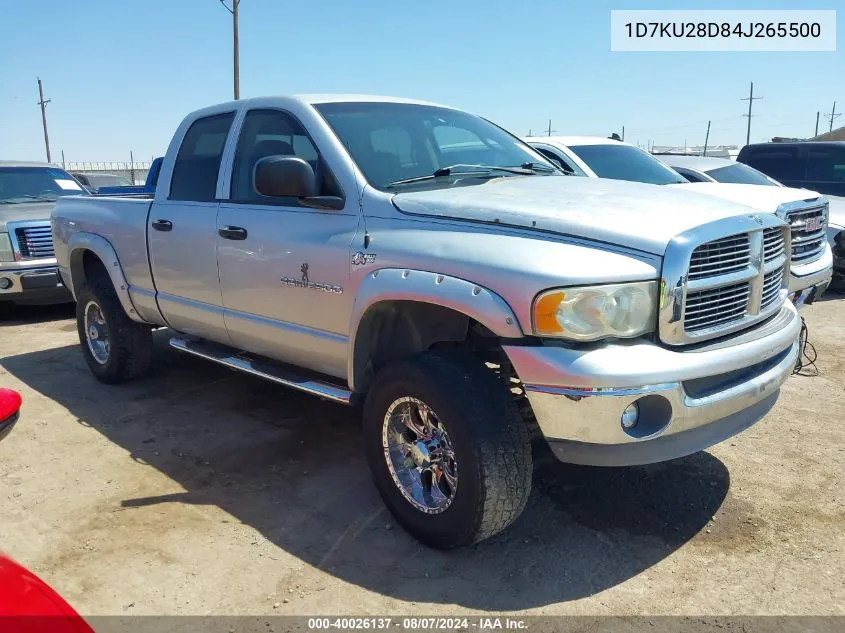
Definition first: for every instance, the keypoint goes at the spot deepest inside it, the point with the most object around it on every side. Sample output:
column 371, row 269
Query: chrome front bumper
column 39, row 284
column 687, row 400
column 815, row 275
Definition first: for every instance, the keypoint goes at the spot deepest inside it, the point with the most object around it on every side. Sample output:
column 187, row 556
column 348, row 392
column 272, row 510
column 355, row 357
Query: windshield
column 625, row 162
column 107, row 180
column 741, row 174
column 20, row 185
column 394, row 142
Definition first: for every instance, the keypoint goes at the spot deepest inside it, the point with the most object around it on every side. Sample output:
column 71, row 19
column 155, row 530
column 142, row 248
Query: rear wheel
column 115, row 347
column 449, row 453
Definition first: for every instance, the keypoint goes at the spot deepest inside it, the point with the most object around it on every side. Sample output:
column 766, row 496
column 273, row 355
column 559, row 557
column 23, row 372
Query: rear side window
column 556, row 159
column 198, row 161
column 826, row 163
column 689, row 174
column 779, row 163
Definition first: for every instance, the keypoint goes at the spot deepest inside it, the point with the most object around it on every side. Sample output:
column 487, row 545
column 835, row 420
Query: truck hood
column 640, row 216
column 26, row 211
column 757, row 197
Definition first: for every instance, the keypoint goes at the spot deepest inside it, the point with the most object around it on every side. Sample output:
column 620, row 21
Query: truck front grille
column 773, row 246
column 34, row 242
column 708, row 308
column 723, row 283
column 809, row 228
column 720, row 257
column 772, row 283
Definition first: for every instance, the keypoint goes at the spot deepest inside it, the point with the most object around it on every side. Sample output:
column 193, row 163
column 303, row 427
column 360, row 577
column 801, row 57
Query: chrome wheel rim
column 419, row 455
column 96, row 333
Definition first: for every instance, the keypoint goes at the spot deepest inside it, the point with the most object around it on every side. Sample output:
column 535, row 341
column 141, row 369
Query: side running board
column 267, row 369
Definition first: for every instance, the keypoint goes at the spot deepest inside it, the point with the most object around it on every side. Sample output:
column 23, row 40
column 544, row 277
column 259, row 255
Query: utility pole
column 817, row 124
column 550, row 122
column 706, row 139
column 235, row 47
column 830, row 117
column 63, row 159
column 43, row 105
column 623, row 132
column 750, row 99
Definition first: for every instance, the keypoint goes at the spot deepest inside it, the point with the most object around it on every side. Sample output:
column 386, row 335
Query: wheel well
column 392, row 330
column 85, row 266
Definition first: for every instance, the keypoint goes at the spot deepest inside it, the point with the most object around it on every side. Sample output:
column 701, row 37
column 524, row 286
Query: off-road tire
column 130, row 342
column 492, row 446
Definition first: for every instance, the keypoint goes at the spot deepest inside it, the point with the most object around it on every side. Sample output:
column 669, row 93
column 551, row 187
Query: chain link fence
column 135, row 172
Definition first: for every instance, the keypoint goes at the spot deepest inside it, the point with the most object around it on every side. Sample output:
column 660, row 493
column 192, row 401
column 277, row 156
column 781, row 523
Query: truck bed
column 122, row 220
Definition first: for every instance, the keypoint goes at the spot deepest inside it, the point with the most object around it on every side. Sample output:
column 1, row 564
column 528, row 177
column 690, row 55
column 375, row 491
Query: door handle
column 162, row 225
column 232, row 232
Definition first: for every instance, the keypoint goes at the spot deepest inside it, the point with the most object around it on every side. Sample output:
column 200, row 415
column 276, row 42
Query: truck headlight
column 6, row 254
column 590, row 313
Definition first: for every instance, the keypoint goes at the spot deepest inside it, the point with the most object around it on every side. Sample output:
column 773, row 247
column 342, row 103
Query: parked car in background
column 10, row 406
column 148, row 188
column 715, row 169
column 28, row 192
column 806, row 211
column 93, row 182
column 815, row 165
column 426, row 263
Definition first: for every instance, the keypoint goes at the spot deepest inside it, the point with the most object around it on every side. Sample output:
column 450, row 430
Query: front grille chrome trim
column 32, row 240
column 807, row 246
column 695, row 308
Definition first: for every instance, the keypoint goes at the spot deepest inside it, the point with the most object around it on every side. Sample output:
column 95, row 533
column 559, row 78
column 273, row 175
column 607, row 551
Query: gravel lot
column 202, row 491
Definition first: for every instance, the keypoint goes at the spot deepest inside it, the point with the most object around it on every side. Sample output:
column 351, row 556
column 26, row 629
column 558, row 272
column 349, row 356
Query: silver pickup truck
column 427, row 264
column 28, row 191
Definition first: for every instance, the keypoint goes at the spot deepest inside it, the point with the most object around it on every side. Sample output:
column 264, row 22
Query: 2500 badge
column 304, row 282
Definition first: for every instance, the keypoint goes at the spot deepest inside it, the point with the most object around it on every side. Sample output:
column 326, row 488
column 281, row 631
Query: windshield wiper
column 540, row 167
column 27, row 198
column 462, row 170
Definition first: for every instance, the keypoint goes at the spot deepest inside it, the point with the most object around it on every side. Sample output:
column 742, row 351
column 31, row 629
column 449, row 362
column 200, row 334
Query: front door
column 283, row 266
column 182, row 230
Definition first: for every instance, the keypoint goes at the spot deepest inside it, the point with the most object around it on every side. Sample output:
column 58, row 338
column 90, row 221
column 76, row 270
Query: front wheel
column 448, row 450
column 115, row 347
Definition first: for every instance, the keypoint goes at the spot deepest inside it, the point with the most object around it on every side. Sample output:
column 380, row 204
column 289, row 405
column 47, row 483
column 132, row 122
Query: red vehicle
column 27, row 604
column 10, row 404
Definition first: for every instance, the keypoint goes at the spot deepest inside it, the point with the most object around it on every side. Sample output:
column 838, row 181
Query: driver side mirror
column 10, row 405
column 291, row 177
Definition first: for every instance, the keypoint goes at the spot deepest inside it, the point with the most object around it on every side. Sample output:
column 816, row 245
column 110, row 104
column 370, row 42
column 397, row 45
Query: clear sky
column 122, row 73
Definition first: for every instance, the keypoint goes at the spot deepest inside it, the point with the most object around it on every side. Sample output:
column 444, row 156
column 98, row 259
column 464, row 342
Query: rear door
column 182, row 232
column 283, row 266
column 825, row 168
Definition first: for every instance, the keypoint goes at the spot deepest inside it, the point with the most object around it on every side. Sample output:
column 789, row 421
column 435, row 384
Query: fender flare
column 102, row 248
column 397, row 284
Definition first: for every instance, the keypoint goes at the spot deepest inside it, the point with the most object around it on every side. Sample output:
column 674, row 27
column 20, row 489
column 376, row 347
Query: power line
column 43, row 105
column 750, row 99
column 830, row 117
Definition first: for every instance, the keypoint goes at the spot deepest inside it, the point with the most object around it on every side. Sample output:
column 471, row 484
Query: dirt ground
column 202, row 491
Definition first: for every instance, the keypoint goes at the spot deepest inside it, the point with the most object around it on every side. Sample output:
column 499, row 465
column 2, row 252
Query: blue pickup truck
column 147, row 188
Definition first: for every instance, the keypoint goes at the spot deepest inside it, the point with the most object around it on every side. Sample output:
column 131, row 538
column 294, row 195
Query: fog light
column 630, row 415
column 5, row 283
